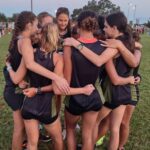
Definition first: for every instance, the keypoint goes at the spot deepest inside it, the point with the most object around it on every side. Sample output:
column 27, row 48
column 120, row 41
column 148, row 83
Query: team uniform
column 42, row 106
column 13, row 97
column 62, row 37
column 84, row 72
column 116, row 95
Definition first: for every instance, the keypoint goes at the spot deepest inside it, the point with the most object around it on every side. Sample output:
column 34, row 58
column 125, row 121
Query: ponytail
column 129, row 41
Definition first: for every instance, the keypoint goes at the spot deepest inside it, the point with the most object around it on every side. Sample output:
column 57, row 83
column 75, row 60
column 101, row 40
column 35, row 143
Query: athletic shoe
column 100, row 141
column 44, row 138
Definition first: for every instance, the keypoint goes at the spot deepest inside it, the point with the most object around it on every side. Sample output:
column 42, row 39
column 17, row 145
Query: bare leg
column 54, row 130
column 125, row 125
column 88, row 127
column 71, row 122
column 103, row 127
column 18, row 131
column 101, row 115
column 115, row 122
column 32, row 130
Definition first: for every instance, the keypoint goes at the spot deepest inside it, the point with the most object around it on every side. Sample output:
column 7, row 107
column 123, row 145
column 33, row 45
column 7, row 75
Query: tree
column 13, row 18
column 102, row 7
column 3, row 18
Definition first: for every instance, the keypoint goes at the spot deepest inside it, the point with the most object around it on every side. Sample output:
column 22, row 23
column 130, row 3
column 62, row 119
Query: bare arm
column 126, row 54
column 115, row 78
column 138, row 55
column 73, row 91
column 32, row 91
column 129, row 57
column 98, row 60
column 19, row 75
column 67, row 63
column 27, row 53
column 28, row 56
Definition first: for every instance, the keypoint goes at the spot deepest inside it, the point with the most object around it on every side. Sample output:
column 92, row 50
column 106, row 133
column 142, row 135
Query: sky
column 142, row 11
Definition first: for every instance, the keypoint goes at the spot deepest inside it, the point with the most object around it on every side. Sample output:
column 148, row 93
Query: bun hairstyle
column 119, row 20
column 49, row 37
column 22, row 20
column 87, row 20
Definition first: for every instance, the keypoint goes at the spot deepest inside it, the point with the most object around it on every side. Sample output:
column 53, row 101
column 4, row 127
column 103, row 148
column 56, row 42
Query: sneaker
column 100, row 141
column 44, row 138
column 78, row 127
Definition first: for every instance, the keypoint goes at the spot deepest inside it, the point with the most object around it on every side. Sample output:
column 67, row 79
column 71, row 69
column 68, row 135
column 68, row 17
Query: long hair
column 22, row 20
column 119, row 20
column 49, row 37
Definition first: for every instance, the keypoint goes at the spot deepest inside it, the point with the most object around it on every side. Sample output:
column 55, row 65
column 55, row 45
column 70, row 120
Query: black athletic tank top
column 14, row 59
column 121, row 94
column 60, row 43
column 85, row 72
column 46, row 60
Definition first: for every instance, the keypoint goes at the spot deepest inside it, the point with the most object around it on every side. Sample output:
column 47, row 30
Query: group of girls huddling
column 93, row 64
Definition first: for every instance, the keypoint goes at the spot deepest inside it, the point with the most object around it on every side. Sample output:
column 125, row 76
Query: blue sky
column 9, row 7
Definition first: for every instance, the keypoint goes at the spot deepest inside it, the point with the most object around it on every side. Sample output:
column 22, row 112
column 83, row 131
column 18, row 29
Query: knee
column 124, row 124
column 19, row 129
column 70, row 126
column 114, row 130
column 58, row 139
column 33, row 142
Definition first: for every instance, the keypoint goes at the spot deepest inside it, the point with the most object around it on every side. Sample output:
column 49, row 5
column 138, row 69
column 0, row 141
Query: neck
column 62, row 31
column 86, row 35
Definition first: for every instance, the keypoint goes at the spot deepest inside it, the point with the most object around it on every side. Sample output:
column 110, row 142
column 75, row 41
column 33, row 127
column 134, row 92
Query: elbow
column 134, row 64
column 115, row 82
column 98, row 64
column 28, row 65
column 15, row 81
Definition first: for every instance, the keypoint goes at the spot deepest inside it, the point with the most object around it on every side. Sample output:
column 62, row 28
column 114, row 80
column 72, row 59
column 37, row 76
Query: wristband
column 9, row 67
column 38, row 90
column 80, row 46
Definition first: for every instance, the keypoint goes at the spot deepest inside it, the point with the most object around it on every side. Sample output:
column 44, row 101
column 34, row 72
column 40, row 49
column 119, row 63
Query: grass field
column 140, row 127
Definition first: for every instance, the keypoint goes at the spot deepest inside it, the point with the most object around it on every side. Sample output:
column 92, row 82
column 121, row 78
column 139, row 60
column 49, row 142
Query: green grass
column 140, row 126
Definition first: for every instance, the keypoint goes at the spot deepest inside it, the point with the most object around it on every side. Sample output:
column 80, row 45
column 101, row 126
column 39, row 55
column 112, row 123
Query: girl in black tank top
column 39, row 104
column 63, row 22
column 106, row 55
column 12, row 95
column 10, row 88
column 118, row 93
column 80, row 71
